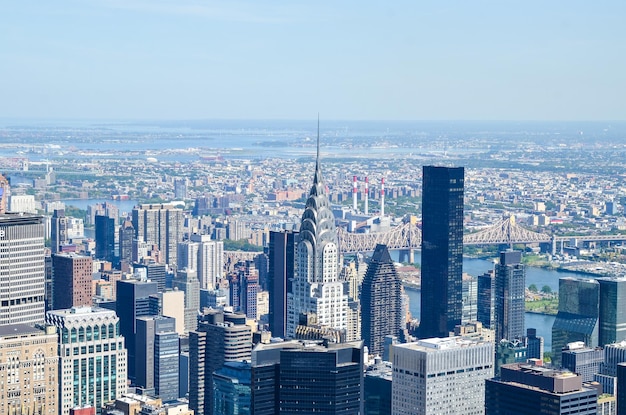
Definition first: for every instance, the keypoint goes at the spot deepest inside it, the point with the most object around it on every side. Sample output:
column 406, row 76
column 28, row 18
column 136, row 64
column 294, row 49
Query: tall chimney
column 367, row 195
column 382, row 197
column 354, row 193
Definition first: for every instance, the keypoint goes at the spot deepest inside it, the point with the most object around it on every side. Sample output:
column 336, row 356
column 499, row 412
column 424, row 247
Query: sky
column 347, row 60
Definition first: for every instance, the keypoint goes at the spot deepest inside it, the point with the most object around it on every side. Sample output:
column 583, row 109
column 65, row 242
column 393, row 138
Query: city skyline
column 366, row 60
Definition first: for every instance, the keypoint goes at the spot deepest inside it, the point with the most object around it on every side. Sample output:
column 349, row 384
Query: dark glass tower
column 381, row 301
column 133, row 300
column 305, row 378
column 281, row 270
column 577, row 319
column 486, row 288
column 510, row 306
column 442, row 250
column 612, row 311
column 105, row 238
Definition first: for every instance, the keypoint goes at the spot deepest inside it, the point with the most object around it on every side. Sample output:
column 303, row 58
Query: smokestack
column 354, row 193
column 367, row 195
column 382, row 197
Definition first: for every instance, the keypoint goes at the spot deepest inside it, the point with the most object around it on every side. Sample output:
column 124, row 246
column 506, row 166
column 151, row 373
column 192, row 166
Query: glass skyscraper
column 303, row 377
column 577, row 319
column 612, row 311
column 281, row 268
column 510, row 306
column 442, row 250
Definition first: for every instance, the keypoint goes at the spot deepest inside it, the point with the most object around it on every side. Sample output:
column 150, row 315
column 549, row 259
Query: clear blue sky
column 382, row 60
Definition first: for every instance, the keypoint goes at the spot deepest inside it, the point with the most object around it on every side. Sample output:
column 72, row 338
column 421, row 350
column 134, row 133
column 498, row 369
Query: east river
column 537, row 276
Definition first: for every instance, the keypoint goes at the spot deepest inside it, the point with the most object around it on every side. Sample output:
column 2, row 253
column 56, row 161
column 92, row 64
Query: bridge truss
column 409, row 236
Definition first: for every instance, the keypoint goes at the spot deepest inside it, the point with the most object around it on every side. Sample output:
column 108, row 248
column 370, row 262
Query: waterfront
column 537, row 276
column 124, row 206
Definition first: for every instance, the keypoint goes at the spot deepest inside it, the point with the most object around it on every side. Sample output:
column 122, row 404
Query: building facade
column 485, row 309
column 281, row 269
column 577, row 318
column 612, row 316
column 316, row 294
column 582, row 360
column 187, row 282
column 220, row 337
column 59, row 230
column 105, row 238
column 156, row 356
column 381, row 301
column 210, row 261
column 509, row 301
column 22, row 259
column 523, row 389
column 441, row 375
column 93, row 359
column 29, row 370
column 442, row 250
column 232, row 389
column 71, row 280
column 307, row 377
column 133, row 300
column 161, row 225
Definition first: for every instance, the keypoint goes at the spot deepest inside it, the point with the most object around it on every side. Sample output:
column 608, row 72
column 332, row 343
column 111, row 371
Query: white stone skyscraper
column 316, row 288
column 205, row 256
column 22, row 269
column 210, row 261
column 441, row 376
column 93, row 358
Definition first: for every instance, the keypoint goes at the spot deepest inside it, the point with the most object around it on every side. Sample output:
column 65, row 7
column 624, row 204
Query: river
column 537, row 276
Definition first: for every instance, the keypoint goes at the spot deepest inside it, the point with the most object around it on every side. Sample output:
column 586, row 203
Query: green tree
column 532, row 288
column 546, row 289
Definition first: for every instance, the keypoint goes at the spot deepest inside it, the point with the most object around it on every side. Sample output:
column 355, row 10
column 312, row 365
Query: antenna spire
column 317, row 159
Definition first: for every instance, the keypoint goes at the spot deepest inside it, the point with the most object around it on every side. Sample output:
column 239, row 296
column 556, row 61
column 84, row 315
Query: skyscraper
column 93, row 357
column 221, row 337
column 133, row 300
column 210, row 265
column 381, row 301
column 577, row 318
column 442, row 250
column 152, row 271
column 316, row 291
column 281, row 270
column 582, row 360
column 58, row 231
column 293, row 377
column 187, row 282
column 161, row 225
column 509, row 301
column 71, row 280
column 156, row 359
column 30, row 370
column 469, row 296
column 437, row 376
column 524, row 389
column 612, row 316
column 486, row 287
column 22, row 259
column 105, row 238
column 232, row 389
column 126, row 236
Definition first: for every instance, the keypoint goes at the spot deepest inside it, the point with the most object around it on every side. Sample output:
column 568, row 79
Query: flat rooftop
column 19, row 330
